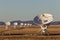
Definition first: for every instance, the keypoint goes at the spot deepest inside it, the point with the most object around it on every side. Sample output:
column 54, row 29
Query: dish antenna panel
column 46, row 18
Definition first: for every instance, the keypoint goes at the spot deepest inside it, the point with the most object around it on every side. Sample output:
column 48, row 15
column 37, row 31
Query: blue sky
column 28, row 9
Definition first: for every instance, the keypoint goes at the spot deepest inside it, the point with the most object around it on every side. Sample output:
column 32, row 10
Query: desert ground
column 29, row 33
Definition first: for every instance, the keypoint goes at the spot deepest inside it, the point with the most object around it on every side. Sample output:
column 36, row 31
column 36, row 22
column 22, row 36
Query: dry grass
column 19, row 37
column 29, row 30
column 30, row 33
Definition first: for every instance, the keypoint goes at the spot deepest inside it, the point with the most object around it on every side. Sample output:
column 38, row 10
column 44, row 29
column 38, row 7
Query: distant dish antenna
column 25, row 24
column 15, row 24
column 28, row 24
column 7, row 24
column 21, row 24
column 46, row 18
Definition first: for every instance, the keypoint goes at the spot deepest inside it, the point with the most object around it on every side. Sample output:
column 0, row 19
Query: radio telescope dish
column 21, row 24
column 25, row 24
column 46, row 18
column 15, row 24
column 7, row 24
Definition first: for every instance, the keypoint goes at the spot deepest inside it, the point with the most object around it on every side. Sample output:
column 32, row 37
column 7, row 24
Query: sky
column 27, row 9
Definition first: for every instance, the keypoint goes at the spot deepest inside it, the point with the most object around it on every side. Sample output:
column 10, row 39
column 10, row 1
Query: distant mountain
column 33, row 22
column 55, row 23
column 2, row 23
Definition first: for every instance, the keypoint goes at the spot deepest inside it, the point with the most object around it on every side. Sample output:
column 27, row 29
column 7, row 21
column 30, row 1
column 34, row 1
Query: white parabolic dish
column 46, row 18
